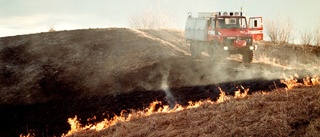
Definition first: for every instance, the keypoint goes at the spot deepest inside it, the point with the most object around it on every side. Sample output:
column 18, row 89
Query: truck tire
column 247, row 56
column 195, row 51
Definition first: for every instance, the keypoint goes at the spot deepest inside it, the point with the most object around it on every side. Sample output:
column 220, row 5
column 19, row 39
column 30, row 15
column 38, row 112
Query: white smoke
column 164, row 86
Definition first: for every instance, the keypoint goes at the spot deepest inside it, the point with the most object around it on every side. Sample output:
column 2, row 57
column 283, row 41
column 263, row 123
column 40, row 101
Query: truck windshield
column 232, row 22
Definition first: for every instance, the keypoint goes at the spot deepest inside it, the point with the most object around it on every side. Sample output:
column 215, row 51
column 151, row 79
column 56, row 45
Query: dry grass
column 288, row 56
column 313, row 128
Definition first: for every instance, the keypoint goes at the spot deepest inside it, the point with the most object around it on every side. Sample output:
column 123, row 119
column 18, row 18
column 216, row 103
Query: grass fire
column 145, row 82
column 151, row 122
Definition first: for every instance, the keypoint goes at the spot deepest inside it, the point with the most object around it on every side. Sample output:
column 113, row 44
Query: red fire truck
column 223, row 33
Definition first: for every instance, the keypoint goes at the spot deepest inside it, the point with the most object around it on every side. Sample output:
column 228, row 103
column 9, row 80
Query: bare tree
column 142, row 20
column 149, row 20
column 306, row 37
column 279, row 30
column 316, row 38
column 155, row 18
column 286, row 30
column 272, row 29
column 52, row 28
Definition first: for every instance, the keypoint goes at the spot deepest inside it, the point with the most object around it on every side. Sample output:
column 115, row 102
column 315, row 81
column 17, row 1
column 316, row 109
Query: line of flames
column 76, row 126
column 291, row 82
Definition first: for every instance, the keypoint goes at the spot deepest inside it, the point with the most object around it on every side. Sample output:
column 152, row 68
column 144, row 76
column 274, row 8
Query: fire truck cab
column 223, row 33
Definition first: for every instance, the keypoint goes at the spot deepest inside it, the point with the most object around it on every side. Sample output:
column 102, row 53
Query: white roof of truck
column 213, row 14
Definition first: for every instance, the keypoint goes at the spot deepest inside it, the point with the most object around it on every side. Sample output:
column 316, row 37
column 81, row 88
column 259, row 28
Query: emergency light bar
column 230, row 13
column 213, row 14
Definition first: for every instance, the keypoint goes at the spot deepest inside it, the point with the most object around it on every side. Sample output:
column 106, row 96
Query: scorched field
column 128, row 82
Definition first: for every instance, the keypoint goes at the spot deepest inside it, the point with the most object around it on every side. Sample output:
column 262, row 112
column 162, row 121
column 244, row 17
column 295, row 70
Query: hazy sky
column 33, row 16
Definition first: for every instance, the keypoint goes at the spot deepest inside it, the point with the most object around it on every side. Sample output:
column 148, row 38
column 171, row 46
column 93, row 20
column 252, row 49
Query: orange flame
column 76, row 126
column 238, row 93
column 311, row 81
column 222, row 97
column 292, row 81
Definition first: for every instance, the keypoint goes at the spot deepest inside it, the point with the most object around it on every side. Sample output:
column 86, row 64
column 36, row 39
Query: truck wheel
column 247, row 56
column 194, row 49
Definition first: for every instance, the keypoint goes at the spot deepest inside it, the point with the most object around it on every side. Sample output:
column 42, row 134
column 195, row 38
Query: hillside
column 86, row 60
column 47, row 78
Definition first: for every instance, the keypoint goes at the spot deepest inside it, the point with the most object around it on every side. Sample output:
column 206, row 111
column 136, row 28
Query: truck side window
column 221, row 23
column 255, row 22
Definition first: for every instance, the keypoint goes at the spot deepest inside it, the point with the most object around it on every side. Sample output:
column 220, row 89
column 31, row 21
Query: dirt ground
column 47, row 78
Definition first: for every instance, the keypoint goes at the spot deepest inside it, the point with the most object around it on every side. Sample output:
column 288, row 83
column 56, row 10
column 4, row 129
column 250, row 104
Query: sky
column 19, row 17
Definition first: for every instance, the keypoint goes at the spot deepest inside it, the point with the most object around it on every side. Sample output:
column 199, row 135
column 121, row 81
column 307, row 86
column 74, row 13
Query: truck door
column 256, row 28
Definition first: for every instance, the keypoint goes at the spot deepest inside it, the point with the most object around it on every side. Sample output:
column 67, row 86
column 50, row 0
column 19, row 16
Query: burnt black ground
column 50, row 118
